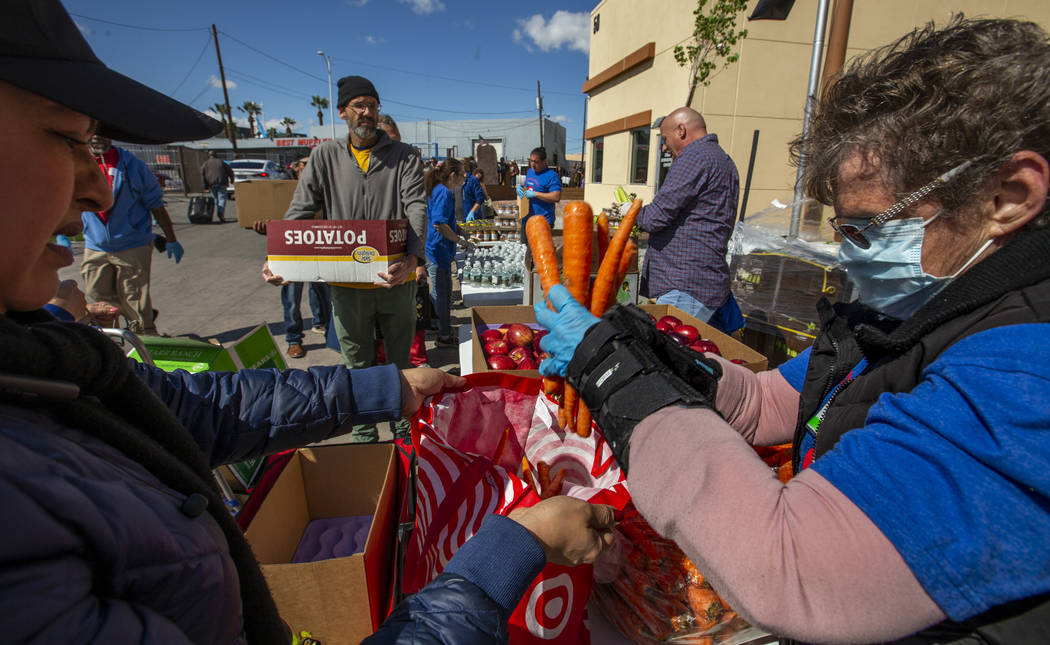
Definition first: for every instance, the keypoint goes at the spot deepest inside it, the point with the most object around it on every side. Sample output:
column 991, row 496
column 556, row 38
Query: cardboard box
column 261, row 200
column 342, row 600
column 339, row 251
column 482, row 318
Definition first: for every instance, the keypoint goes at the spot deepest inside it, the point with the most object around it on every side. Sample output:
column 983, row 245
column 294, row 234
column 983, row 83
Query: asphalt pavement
column 216, row 291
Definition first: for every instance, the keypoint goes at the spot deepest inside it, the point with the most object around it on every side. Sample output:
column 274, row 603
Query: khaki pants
column 122, row 280
column 355, row 313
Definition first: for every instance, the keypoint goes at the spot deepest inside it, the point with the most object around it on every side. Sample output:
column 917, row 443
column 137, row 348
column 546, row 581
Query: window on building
column 597, row 157
column 639, row 156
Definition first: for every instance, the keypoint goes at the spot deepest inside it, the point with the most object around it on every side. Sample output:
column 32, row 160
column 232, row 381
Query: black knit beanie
column 351, row 87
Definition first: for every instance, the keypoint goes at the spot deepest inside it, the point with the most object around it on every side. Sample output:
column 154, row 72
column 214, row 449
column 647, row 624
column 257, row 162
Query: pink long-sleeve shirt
column 800, row 560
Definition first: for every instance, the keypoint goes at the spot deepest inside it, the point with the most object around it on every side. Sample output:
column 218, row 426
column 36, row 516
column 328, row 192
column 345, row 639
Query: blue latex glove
column 567, row 326
column 63, row 240
column 175, row 251
column 520, row 191
column 530, row 193
column 470, row 216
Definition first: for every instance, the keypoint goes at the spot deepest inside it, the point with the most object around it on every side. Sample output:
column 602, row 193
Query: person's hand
column 102, row 314
column 421, row 276
column 567, row 325
column 467, row 245
column 529, row 193
column 269, row 277
column 63, row 240
column 570, row 530
column 259, row 227
column 420, row 382
column 174, row 251
column 470, row 216
column 398, row 272
column 69, row 297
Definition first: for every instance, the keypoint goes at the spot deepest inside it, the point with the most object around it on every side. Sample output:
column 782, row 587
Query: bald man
column 689, row 223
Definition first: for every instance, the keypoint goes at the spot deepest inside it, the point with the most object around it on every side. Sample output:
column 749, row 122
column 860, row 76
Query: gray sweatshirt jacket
column 392, row 189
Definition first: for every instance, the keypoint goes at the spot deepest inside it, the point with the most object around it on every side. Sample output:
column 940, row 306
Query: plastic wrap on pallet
column 767, row 230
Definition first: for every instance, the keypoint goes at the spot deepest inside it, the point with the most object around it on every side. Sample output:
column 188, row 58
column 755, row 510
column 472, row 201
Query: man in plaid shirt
column 689, row 223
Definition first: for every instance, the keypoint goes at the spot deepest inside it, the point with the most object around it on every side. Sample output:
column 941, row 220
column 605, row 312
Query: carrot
column 603, row 235
column 630, row 254
column 526, row 473
column 552, row 385
column 568, row 403
column 538, row 232
column 605, row 283
column 583, row 420
column 576, row 253
column 501, row 446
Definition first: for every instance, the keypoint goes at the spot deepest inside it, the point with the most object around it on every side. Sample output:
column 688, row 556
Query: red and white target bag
column 483, row 451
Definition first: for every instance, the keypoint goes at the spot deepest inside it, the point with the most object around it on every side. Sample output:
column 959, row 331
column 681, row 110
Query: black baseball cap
column 43, row 51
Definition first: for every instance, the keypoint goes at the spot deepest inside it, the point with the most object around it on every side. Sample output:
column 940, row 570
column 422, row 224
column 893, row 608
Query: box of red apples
column 507, row 339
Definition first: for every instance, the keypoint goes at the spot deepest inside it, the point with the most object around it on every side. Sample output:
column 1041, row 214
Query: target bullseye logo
column 549, row 607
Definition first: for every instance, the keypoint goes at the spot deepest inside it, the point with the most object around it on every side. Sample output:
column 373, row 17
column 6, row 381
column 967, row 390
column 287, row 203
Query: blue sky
column 437, row 59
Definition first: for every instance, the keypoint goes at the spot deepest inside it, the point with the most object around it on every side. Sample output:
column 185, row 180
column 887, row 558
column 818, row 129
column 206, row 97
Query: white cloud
column 564, row 29
column 84, row 29
column 215, row 82
column 273, row 123
column 374, row 40
column 561, row 118
column 424, row 7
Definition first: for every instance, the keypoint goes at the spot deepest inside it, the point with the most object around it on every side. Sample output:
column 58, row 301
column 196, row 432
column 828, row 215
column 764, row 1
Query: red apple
column 690, row 332
column 738, row 361
column 679, row 338
column 669, row 320
column 705, row 346
column 490, row 335
column 528, row 364
column 497, row 348
column 536, row 336
column 518, row 354
column 520, row 335
column 501, row 362
column 664, row 327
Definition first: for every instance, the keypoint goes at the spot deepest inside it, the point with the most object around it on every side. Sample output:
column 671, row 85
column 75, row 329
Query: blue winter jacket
column 129, row 223
column 97, row 549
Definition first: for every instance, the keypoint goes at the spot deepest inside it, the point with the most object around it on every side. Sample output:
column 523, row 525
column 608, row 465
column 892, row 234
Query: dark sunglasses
column 855, row 234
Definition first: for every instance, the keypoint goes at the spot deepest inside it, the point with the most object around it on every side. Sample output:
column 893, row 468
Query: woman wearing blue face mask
column 920, row 507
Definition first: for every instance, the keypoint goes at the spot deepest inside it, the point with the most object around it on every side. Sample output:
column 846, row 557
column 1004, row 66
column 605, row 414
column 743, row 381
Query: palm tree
column 321, row 103
column 271, row 133
column 224, row 117
column 251, row 108
column 288, row 122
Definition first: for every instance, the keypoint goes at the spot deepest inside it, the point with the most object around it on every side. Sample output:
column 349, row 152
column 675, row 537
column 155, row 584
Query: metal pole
column 331, row 102
column 811, row 91
column 222, row 76
column 583, row 139
column 539, row 108
column 750, row 173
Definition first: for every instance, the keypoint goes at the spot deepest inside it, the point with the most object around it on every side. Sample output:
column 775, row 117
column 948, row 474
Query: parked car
column 254, row 169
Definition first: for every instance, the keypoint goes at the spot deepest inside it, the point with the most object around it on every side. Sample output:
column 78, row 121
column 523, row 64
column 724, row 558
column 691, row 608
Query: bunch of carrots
column 615, row 257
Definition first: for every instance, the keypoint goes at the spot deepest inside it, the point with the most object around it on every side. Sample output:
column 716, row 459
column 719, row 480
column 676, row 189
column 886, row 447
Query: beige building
column 633, row 80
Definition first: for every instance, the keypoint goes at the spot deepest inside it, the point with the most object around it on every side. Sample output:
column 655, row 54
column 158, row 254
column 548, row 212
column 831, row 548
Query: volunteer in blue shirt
column 920, row 505
column 442, row 237
column 542, row 188
column 473, row 197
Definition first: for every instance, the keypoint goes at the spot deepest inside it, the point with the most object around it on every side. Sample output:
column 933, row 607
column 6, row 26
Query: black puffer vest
column 1010, row 287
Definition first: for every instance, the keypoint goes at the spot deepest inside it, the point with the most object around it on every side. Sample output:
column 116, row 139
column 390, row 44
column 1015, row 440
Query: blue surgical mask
column 889, row 273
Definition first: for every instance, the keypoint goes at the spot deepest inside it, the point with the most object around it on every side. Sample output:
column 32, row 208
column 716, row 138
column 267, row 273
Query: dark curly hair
column 976, row 89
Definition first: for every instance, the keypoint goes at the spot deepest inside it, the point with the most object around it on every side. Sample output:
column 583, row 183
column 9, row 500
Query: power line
column 121, row 24
column 449, row 78
column 207, row 87
column 276, row 60
column 244, row 77
column 207, row 41
column 434, row 109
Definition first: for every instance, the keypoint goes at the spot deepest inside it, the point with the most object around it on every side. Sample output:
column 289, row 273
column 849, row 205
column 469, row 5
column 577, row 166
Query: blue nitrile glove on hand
column 175, row 251
column 520, row 191
column 567, row 325
column 470, row 216
column 63, row 240
column 530, row 193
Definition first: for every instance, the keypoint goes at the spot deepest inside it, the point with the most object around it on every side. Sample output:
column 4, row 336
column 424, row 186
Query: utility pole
column 539, row 108
column 222, row 76
column 583, row 138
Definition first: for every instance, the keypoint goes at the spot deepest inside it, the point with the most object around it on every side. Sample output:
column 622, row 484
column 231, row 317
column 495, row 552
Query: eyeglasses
column 856, row 234
column 361, row 108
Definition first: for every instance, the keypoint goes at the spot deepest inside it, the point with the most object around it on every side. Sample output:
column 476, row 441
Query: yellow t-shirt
column 362, row 157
